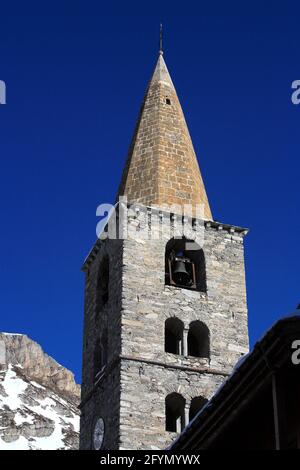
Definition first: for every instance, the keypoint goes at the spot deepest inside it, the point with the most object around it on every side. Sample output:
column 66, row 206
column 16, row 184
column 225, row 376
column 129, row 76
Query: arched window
column 173, row 336
column 196, row 404
column 103, row 283
column 175, row 412
column 185, row 264
column 198, row 340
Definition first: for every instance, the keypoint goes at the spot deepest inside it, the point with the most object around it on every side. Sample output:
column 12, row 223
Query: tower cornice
column 236, row 233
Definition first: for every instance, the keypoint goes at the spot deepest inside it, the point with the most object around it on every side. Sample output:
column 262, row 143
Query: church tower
column 165, row 306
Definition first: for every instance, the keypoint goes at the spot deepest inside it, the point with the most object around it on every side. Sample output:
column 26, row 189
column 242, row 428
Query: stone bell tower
column 165, row 314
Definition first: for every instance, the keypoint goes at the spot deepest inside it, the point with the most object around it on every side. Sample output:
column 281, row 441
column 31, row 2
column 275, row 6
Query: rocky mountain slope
column 38, row 398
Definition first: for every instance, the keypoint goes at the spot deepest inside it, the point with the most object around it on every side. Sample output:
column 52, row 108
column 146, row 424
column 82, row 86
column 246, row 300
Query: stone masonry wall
column 139, row 375
column 146, row 305
column 144, row 389
column 102, row 400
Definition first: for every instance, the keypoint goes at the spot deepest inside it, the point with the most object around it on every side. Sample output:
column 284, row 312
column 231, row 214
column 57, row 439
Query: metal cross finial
column 161, row 40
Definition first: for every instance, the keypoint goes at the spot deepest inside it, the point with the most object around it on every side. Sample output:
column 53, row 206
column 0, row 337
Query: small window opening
column 175, row 412
column 196, row 404
column 173, row 336
column 103, row 284
column 168, row 101
column 198, row 340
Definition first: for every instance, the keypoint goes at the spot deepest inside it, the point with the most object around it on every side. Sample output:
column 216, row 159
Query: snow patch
column 11, row 334
column 36, row 385
column 24, row 414
column 20, row 444
column 19, row 419
column 13, row 387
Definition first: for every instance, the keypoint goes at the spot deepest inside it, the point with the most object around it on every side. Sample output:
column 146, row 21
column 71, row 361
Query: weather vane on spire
column 161, row 40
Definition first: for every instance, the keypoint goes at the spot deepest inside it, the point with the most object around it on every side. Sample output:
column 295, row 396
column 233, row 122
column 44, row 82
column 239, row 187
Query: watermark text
column 296, row 94
column 296, row 354
column 2, row 92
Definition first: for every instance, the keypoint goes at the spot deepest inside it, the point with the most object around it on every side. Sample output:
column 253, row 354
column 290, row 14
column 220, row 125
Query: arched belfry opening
column 197, row 404
column 198, row 340
column 103, row 283
column 175, row 404
column 185, row 264
column 174, row 336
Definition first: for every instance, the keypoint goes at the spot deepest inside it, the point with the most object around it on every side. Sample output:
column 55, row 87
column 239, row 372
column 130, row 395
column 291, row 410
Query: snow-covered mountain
column 38, row 398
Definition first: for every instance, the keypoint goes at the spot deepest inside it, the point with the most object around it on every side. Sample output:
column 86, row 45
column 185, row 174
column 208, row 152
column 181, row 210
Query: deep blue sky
column 75, row 74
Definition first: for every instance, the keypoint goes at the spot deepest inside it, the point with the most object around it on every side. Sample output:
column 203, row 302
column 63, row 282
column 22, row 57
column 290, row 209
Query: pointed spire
column 162, row 167
column 161, row 74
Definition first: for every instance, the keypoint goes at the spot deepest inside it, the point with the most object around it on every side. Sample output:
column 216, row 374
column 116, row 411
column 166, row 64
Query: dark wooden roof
column 251, row 373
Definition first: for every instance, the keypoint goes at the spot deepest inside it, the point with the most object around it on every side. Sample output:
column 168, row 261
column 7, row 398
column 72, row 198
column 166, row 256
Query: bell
column 180, row 274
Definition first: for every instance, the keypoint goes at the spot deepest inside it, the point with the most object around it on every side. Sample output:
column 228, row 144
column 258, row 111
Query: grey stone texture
column 139, row 374
column 38, row 365
column 38, row 398
column 2, row 353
